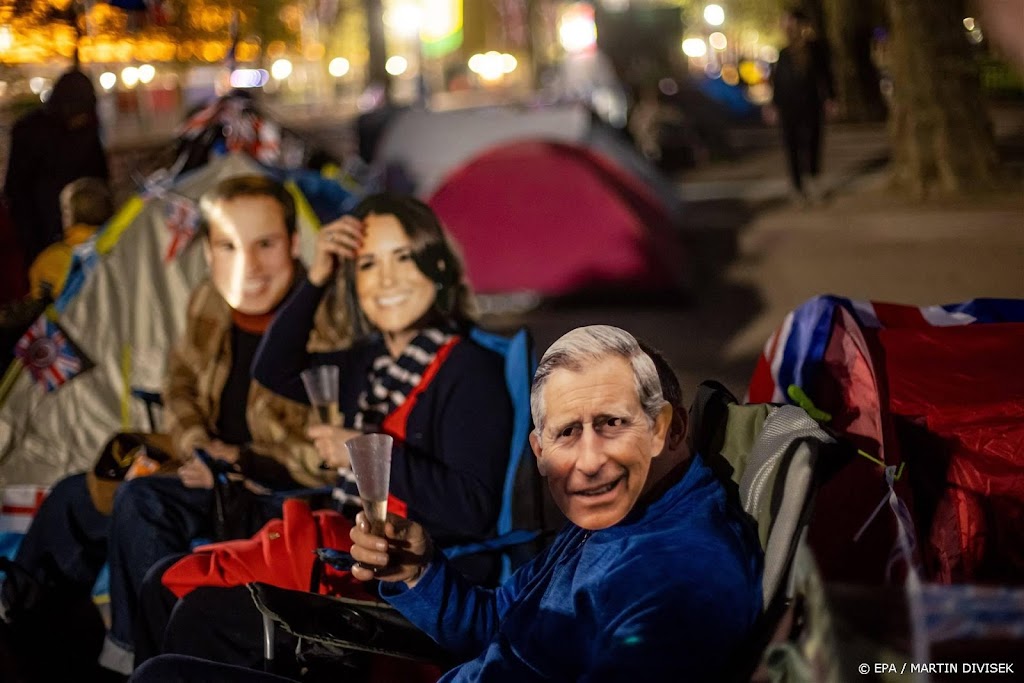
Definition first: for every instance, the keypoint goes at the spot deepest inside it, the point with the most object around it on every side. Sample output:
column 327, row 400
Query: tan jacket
column 197, row 369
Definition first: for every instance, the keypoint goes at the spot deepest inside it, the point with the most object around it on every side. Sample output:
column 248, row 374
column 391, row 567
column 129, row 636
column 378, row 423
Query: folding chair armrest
column 150, row 398
column 345, row 624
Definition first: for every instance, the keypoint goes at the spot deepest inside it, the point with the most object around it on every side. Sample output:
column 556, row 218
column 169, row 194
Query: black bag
column 125, row 455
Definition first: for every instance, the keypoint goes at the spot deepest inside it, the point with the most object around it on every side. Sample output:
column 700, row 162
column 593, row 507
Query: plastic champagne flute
column 321, row 384
column 370, row 455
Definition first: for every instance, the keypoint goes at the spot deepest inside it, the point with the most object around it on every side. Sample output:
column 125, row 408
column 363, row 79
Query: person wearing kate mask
column 414, row 374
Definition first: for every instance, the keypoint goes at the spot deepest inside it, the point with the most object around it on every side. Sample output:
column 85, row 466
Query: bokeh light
column 714, row 15
column 130, row 76
column 281, row 69
column 694, row 47
column 338, row 67
column 396, row 65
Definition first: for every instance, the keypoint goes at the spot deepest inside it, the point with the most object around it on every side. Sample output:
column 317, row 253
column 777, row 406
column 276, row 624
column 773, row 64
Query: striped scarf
column 391, row 380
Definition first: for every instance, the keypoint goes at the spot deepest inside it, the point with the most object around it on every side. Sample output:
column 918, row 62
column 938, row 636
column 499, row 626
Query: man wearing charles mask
column 656, row 577
column 210, row 402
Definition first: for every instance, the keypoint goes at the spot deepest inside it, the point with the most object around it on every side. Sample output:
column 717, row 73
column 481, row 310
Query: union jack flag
column 795, row 350
column 48, row 355
column 182, row 218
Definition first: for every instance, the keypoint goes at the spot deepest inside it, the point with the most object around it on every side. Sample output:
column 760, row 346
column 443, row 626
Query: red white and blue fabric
column 242, row 127
column 18, row 507
column 46, row 352
column 182, row 220
column 937, row 388
column 795, row 350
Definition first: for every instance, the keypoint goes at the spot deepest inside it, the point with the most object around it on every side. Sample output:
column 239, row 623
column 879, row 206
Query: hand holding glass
column 321, row 384
column 371, row 462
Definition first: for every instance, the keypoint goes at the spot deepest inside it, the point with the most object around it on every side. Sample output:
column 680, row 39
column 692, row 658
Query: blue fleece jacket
column 665, row 595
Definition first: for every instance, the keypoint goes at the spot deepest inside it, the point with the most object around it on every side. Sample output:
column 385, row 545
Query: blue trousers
column 155, row 517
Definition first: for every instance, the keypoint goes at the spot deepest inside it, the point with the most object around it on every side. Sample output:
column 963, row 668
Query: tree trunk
column 941, row 135
column 376, row 72
column 848, row 25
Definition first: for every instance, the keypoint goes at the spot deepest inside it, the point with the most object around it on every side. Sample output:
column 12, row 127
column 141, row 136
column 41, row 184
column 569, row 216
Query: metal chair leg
column 268, row 644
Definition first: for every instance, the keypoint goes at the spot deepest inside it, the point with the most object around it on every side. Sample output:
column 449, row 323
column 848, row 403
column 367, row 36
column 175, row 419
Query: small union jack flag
column 182, row 218
column 48, row 355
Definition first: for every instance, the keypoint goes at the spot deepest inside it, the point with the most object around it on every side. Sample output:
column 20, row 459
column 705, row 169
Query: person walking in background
column 802, row 96
column 51, row 146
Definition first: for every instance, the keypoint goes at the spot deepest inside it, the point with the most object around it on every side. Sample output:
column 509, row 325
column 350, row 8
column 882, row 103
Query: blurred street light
column 404, row 18
column 717, row 40
column 577, row 31
column 108, row 79
column 396, row 65
column 338, row 67
column 146, row 73
column 492, row 66
column 281, row 69
column 248, row 78
column 130, row 76
column 694, row 47
column 714, row 15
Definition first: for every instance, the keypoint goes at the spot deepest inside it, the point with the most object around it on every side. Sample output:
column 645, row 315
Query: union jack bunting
column 795, row 350
column 236, row 127
column 245, row 131
column 46, row 352
column 182, row 219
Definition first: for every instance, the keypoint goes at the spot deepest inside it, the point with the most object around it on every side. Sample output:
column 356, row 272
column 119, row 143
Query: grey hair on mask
column 584, row 346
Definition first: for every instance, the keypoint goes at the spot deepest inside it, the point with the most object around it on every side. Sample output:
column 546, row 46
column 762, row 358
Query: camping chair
column 774, row 480
column 329, row 621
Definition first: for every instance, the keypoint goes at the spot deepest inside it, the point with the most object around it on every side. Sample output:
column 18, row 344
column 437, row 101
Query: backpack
column 771, row 460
